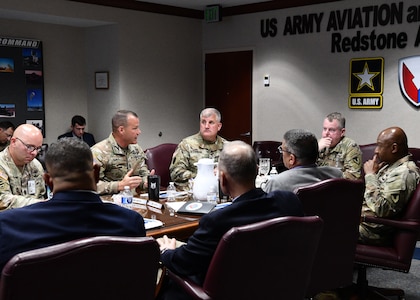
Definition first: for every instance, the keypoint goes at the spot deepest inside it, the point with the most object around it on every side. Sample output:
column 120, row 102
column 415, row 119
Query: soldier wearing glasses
column 21, row 175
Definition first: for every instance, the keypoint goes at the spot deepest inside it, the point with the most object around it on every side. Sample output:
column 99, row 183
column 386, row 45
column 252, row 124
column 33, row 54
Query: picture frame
column 102, row 80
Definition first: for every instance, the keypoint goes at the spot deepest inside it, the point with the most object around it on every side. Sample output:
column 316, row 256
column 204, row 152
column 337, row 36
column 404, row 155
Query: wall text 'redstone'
column 358, row 19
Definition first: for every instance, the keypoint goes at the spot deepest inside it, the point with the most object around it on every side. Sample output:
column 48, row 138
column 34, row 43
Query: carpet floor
column 409, row 282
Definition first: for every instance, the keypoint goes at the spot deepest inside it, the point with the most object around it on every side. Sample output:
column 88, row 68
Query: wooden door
column 228, row 87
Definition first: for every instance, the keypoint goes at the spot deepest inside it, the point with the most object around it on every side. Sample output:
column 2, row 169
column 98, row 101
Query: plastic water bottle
column 212, row 194
column 170, row 191
column 127, row 197
column 273, row 171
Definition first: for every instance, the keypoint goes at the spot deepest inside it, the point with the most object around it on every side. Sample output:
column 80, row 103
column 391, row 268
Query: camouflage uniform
column 188, row 152
column 116, row 162
column 13, row 183
column 346, row 155
column 386, row 195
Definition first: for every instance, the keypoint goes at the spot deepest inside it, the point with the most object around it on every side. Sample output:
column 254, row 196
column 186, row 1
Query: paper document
column 175, row 205
column 152, row 223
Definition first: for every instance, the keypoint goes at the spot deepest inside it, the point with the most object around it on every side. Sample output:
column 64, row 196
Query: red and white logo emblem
column 409, row 78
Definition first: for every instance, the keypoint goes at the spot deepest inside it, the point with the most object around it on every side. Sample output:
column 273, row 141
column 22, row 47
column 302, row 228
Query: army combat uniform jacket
column 386, row 195
column 116, row 162
column 346, row 155
column 20, row 188
column 188, row 152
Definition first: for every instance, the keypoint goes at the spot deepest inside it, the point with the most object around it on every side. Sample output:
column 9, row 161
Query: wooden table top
column 179, row 226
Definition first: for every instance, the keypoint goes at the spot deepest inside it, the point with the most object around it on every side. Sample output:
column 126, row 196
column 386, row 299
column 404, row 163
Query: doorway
column 228, row 87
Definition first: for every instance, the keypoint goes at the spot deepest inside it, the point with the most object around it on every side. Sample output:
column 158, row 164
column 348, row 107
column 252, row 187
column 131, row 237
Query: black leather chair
column 267, row 260
column 396, row 257
column 338, row 202
column 91, row 268
column 159, row 158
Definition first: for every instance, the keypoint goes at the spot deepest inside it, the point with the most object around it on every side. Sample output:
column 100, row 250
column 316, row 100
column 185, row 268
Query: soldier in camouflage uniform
column 337, row 150
column 122, row 160
column 6, row 131
column 391, row 178
column 21, row 174
column 205, row 144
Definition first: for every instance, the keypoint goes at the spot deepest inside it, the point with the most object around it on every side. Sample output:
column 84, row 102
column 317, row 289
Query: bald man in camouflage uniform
column 205, row 144
column 391, row 178
column 21, row 174
column 337, row 150
column 122, row 160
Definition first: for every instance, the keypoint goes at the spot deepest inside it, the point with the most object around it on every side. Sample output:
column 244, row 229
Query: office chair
column 368, row 150
column 415, row 155
column 104, row 267
column 159, row 158
column 396, row 257
column 338, row 202
column 267, row 260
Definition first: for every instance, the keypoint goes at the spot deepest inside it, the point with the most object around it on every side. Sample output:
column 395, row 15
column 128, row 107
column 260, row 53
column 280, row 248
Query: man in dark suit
column 74, row 211
column 78, row 125
column 300, row 152
column 237, row 172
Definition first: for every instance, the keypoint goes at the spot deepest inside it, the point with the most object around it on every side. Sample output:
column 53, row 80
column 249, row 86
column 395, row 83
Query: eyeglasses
column 282, row 150
column 30, row 148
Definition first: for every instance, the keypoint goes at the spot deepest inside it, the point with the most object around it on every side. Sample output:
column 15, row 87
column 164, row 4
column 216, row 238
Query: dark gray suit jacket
column 292, row 179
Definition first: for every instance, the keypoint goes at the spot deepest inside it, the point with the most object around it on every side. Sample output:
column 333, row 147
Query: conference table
column 179, row 226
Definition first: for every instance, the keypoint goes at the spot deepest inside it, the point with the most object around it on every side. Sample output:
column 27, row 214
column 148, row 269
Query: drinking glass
column 264, row 166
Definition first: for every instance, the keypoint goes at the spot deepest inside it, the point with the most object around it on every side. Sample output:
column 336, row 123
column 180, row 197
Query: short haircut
column 120, row 118
column 239, row 160
column 7, row 124
column 339, row 117
column 68, row 155
column 303, row 144
column 78, row 120
column 207, row 112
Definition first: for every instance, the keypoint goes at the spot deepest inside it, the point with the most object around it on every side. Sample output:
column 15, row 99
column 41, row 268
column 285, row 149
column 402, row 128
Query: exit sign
column 212, row 13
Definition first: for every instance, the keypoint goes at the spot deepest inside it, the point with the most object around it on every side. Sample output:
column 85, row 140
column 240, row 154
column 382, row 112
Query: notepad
column 196, row 207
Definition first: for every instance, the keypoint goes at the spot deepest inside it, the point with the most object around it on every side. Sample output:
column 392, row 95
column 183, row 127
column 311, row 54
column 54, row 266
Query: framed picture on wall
column 101, row 80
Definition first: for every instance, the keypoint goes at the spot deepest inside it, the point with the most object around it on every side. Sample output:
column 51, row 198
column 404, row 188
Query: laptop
column 196, row 207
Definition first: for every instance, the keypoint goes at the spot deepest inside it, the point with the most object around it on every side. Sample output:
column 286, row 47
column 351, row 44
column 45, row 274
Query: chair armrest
column 193, row 289
column 401, row 224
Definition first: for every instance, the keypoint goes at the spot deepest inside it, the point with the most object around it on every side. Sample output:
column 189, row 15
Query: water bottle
column 126, row 197
column 170, row 191
column 212, row 194
column 273, row 171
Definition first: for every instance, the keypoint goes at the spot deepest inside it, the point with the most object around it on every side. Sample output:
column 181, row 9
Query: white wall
column 154, row 63
column 308, row 81
column 64, row 75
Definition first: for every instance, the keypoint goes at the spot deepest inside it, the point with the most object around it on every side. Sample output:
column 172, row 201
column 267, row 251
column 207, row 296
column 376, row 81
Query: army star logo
column 366, row 78
column 366, row 82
